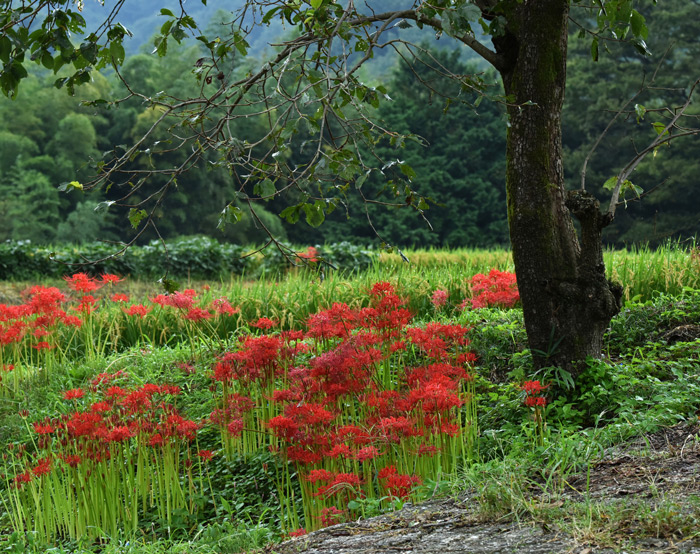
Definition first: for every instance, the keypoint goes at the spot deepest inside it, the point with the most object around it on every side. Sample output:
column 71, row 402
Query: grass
column 643, row 384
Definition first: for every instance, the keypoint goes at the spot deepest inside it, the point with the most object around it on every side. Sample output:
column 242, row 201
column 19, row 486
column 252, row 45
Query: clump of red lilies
column 364, row 404
column 115, row 452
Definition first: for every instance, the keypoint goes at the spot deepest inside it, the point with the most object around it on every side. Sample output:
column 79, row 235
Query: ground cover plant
column 221, row 420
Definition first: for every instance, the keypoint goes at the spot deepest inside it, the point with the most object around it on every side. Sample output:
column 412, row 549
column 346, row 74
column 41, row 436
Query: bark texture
column 567, row 301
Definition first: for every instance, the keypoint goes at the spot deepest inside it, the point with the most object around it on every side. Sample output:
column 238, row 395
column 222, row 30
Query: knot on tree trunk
column 586, row 208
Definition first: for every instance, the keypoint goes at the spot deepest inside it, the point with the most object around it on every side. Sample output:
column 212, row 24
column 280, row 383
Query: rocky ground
column 642, row 497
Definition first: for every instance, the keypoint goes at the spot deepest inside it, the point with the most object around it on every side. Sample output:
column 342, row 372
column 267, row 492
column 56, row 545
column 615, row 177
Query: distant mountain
column 143, row 20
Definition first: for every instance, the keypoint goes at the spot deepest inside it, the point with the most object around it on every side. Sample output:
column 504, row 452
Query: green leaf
column 641, row 46
column 291, row 213
column 230, row 214
column 315, row 4
column 638, row 24
column 640, row 111
column 117, row 52
column 594, row 49
column 265, row 189
column 407, row 170
column 659, row 127
column 315, row 214
column 166, row 11
column 610, row 183
column 136, row 216
column 361, row 179
column 69, row 186
column 5, row 49
column 169, row 286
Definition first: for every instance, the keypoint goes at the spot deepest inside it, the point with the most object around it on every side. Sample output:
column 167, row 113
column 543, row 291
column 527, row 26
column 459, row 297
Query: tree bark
column 567, row 300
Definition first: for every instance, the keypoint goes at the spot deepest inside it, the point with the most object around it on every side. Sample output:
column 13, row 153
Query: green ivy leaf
column 136, row 216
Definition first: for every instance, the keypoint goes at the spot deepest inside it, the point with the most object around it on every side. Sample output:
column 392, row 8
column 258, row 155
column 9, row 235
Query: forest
column 49, row 138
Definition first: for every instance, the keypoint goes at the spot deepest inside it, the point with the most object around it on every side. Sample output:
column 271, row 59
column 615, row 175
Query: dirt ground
column 642, row 497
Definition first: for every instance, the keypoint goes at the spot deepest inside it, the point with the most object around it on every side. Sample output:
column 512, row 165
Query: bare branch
column 663, row 137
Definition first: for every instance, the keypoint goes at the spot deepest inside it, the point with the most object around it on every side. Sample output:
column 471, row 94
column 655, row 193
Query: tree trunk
column 567, row 300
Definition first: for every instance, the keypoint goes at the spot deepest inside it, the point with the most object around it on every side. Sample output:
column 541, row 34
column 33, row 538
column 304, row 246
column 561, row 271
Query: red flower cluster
column 340, row 401
column 498, row 288
column 533, row 393
column 111, row 415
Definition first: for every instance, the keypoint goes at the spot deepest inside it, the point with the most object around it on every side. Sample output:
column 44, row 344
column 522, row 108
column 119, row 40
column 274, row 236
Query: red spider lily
column 73, row 460
column 187, row 368
column 108, row 278
column 12, row 333
column 264, row 323
column 302, row 455
column 43, row 466
column 82, row 282
column 198, row 314
column 367, row 453
column 106, row 378
column 177, row 426
column 533, row 393
column 183, row 300
column 439, row 298
column 44, row 300
column 428, row 450
column 396, row 484
column 71, row 321
column 309, row 255
column 533, row 388
column 337, row 321
column 331, row 516
column 161, row 299
column 100, row 407
column 223, row 307
column 298, row 533
column 532, row 401
column 434, row 397
column 80, row 424
column 499, row 288
column 119, row 297
column 116, row 434
column 22, row 478
column 137, row 309
column 7, row 367
column 43, row 428
column 339, row 451
column 259, row 358
column 205, row 455
column 340, row 483
column 382, row 289
column 43, row 345
column 73, row 394
column 235, row 428
column 316, row 475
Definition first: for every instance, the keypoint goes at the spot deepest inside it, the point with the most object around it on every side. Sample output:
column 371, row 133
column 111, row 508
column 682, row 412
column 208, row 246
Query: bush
column 196, row 257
